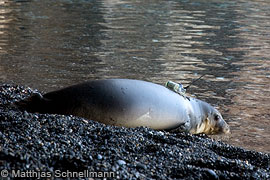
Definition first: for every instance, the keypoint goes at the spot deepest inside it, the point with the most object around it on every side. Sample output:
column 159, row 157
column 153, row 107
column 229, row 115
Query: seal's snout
column 226, row 129
column 222, row 127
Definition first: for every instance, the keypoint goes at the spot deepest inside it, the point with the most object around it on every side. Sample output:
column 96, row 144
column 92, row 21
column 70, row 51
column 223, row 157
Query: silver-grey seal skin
column 130, row 103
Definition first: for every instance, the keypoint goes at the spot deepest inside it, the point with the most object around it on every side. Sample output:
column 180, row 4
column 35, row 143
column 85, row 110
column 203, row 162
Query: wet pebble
column 140, row 165
column 212, row 174
column 99, row 157
column 121, row 162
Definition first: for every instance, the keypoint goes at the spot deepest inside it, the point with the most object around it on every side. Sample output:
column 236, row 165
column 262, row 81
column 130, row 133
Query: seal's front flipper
column 183, row 127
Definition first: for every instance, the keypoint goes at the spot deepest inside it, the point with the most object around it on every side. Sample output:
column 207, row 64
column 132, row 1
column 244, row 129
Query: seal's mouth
column 220, row 130
column 226, row 130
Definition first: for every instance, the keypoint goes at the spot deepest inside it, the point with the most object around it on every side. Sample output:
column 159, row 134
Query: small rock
column 140, row 165
column 121, row 162
column 212, row 174
column 99, row 157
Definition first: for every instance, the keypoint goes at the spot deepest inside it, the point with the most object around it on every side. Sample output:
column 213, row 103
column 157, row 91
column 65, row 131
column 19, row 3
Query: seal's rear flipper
column 30, row 104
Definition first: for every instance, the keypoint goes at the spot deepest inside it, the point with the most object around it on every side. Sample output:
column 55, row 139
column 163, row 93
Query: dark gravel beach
column 47, row 145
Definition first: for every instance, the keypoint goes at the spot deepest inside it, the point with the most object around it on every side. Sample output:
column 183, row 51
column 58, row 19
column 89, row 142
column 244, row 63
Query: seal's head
column 215, row 124
column 210, row 121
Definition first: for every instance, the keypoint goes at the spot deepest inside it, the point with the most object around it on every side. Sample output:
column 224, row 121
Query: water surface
column 52, row 44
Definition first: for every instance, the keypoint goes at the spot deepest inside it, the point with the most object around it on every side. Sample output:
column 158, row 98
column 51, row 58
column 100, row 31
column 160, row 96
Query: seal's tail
column 29, row 104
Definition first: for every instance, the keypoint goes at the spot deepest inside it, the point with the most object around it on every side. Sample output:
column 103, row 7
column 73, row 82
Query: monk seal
column 130, row 103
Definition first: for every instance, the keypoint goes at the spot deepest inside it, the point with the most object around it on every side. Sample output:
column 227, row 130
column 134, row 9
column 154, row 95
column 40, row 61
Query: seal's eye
column 216, row 117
